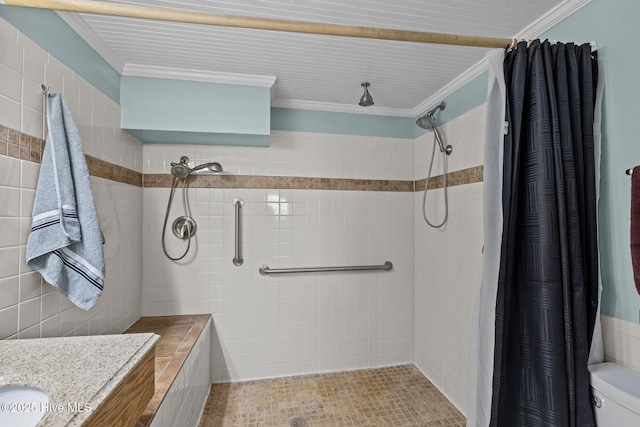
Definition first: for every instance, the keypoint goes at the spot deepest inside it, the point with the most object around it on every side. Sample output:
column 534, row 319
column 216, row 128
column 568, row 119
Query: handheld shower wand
column 428, row 122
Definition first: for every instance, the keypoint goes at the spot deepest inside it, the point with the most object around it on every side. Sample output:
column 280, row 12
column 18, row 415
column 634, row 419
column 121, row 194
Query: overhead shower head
column 366, row 100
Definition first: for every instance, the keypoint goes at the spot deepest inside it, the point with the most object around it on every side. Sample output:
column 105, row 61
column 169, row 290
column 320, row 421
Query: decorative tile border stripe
column 25, row 147
column 21, row 146
column 280, row 183
column 103, row 169
column 461, row 177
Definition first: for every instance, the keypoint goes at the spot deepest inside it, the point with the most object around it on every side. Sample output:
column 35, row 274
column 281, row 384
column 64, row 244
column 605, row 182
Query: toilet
column 615, row 392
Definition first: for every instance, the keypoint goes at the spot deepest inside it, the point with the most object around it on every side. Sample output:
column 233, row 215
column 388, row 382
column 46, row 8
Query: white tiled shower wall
column 29, row 307
column 291, row 324
column 302, row 154
column 448, row 260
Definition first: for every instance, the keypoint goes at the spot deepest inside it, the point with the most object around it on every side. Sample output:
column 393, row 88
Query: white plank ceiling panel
column 321, row 69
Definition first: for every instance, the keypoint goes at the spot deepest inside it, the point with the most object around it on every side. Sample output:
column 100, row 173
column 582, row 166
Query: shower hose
column 426, row 185
column 187, row 216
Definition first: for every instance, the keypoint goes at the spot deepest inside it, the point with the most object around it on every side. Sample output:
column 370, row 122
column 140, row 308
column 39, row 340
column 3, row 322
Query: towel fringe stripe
column 69, row 263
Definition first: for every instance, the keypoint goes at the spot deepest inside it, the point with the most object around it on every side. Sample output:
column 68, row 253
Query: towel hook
column 46, row 90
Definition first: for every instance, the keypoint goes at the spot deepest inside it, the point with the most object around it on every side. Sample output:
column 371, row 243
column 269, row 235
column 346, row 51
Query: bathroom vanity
column 87, row 381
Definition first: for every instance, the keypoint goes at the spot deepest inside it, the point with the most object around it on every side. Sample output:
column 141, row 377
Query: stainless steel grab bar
column 264, row 270
column 237, row 259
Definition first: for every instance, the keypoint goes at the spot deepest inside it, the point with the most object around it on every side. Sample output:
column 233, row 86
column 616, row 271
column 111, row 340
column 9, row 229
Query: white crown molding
column 533, row 30
column 340, row 108
column 172, row 73
column 551, row 18
column 85, row 32
column 467, row 76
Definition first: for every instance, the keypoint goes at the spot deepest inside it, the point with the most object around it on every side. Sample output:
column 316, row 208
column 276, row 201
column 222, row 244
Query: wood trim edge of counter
column 127, row 402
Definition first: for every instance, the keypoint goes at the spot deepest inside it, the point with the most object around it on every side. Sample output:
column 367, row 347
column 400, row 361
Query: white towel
column 65, row 244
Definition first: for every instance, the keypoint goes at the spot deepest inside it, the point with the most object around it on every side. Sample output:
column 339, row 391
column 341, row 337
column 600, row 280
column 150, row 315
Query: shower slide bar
column 264, row 270
column 237, row 259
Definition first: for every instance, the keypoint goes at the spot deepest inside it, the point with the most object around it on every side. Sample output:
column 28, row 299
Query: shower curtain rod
column 175, row 15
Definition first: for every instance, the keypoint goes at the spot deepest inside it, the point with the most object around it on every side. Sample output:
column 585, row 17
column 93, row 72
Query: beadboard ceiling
column 314, row 71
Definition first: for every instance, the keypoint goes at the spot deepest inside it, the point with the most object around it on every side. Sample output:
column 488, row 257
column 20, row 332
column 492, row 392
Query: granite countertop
column 72, row 370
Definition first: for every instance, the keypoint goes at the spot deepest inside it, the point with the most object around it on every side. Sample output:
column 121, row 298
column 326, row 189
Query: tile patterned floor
column 393, row 396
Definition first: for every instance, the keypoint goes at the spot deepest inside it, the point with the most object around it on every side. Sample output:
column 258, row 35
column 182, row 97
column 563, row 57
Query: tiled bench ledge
column 181, row 369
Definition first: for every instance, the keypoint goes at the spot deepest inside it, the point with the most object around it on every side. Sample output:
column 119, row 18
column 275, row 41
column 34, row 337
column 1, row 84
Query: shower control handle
column 184, row 227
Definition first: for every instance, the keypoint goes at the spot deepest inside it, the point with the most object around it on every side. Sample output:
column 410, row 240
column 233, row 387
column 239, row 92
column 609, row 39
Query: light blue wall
column 209, row 113
column 341, row 123
column 49, row 31
column 200, row 138
column 613, row 25
column 190, row 110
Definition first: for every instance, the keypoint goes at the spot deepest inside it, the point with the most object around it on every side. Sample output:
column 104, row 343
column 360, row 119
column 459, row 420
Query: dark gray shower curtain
column 548, row 283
